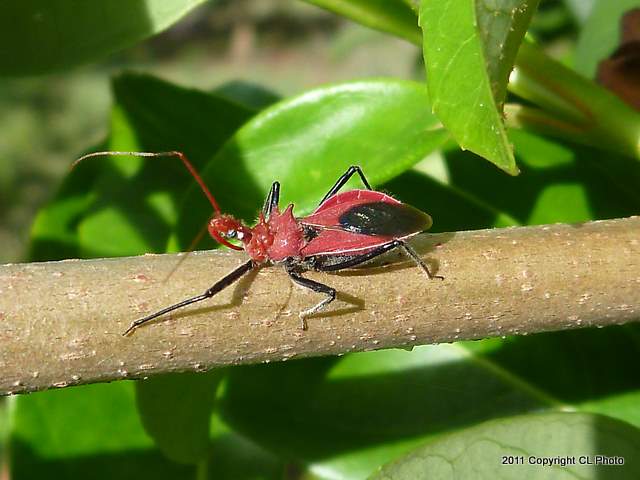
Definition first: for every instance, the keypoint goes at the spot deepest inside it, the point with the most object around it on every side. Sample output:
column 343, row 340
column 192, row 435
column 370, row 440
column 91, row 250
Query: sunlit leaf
column 469, row 50
column 307, row 142
column 511, row 448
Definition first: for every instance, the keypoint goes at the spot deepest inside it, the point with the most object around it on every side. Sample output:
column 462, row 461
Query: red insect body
column 281, row 236
column 277, row 238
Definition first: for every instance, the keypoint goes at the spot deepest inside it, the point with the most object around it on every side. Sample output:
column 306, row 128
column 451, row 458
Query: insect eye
column 231, row 234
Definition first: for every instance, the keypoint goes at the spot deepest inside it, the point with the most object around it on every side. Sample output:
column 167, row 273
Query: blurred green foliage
column 340, row 417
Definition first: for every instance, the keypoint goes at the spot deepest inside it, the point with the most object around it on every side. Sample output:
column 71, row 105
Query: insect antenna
column 194, row 173
column 180, row 155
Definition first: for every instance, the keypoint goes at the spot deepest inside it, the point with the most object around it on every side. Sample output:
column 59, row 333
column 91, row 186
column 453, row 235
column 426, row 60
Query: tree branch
column 61, row 323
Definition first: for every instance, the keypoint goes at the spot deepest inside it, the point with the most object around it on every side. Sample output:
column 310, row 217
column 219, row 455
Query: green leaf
column 392, row 16
column 480, row 452
column 601, row 34
column 502, row 26
column 67, row 433
column 54, row 234
column 587, row 375
column 136, row 200
column 235, row 457
column 39, row 36
column 346, row 416
column 176, row 411
column 469, row 49
column 560, row 183
column 249, row 95
column 5, row 425
column 308, row 141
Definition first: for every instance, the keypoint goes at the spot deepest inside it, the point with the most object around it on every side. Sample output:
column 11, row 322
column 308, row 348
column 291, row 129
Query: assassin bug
column 345, row 230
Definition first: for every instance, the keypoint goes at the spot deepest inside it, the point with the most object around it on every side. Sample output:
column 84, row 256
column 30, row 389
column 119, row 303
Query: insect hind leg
column 416, row 258
column 316, row 287
column 365, row 257
column 344, row 178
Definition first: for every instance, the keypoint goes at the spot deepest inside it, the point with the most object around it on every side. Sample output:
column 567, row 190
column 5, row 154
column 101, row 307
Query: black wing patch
column 383, row 218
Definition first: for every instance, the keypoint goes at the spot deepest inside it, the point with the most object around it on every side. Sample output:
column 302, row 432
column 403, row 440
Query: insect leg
column 416, row 258
column 352, row 170
column 272, row 200
column 217, row 287
column 353, row 261
column 316, row 287
column 357, row 260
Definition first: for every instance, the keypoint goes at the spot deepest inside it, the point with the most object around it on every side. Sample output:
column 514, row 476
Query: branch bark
column 61, row 322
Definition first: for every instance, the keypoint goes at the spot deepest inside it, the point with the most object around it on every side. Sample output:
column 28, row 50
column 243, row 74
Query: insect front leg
column 216, row 288
column 272, row 199
column 330, row 292
column 341, row 182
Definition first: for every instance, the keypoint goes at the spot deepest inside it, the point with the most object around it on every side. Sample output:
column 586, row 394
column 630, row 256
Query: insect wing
column 361, row 220
column 384, row 219
column 330, row 242
column 345, row 200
